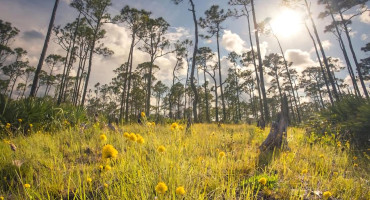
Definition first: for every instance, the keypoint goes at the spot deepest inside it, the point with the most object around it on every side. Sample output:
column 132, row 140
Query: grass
column 209, row 162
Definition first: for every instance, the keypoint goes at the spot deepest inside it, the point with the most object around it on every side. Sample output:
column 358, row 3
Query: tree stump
column 277, row 137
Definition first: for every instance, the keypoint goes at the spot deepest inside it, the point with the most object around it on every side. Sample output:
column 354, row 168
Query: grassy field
column 165, row 162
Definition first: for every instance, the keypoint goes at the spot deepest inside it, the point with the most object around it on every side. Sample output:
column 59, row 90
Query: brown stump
column 277, row 137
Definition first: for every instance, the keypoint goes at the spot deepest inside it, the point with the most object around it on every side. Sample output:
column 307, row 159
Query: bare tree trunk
column 195, row 102
column 129, row 78
column 89, row 68
column 255, row 68
column 321, row 66
column 354, row 56
column 277, row 137
column 322, row 52
column 343, row 47
column 43, row 53
column 262, row 82
column 219, row 73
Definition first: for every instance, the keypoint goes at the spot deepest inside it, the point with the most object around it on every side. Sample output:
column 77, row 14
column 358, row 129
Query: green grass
column 68, row 164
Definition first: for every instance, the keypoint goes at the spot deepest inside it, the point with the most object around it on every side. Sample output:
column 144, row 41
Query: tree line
column 242, row 96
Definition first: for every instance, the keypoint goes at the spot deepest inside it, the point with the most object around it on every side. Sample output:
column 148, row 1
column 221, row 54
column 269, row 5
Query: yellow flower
column 1, row 198
column 7, row 125
column 107, row 167
column 109, row 152
column 354, row 158
column 221, row 154
column 180, row 191
column 88, row 180
column 339, row 144
column 181, row 128
column 174, row 126
column 126, row 135
column 161, row 188
column 31, row 125
column 304, row 171
column 262, row 181
column 355, row 165
column 101, row 167
column 103, row 137
column 133, row 137
column 143, row 114
column 321, row 155
column 153, row 123
column 335, row 173
column 140, row 140
column 326, row 194
column 161, row 149
column 105, row 185
column 20, row 120
column 27, row 185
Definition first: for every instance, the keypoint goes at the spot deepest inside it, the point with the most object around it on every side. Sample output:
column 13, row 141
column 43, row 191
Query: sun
column 287, row 23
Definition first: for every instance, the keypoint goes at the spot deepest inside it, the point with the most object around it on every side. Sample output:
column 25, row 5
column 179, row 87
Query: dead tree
column 277, row 137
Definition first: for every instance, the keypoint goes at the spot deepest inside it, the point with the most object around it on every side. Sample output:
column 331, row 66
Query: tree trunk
column 321, row 66
column 277, row 137
column 322, row 52
column 262, row 82
column 354, row 56
column 219, row 73
column 195, row 102
column 129, row 77
column 89, row 68
column 255, row 68
column 206, row 95
column 343, row 48
column 43, row 53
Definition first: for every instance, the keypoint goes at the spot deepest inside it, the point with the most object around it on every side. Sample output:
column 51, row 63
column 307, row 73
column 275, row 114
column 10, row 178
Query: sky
column 32, row 17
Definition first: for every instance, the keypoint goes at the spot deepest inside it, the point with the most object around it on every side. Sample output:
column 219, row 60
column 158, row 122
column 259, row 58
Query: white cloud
column 365, row 17
column 232, row 42
column 326, row 44
column 364, row 37
column 301, row 59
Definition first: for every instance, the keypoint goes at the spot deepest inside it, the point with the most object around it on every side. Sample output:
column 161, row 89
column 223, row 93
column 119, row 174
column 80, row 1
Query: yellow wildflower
column 305, row 171
column 326, row 194
column 161, row 188
column 101, row 167
column 221, row 154
column 262, row 181
column 20, row 120
column 335, row 173
column 88, row 180
column 27, row 185
column 133, row 137
column 153, row 123
column 7, row 125
column 339, row 144
column 109, row 152
column 103, row 137
column 105, row 185
column 161, row 149
column 143, row 114
column 1, row 198
column 126, row 135
column 140, row 140
column 31, row 125
column 355, row 165
column 107, row 167
column 354, row 158
column 321, row 155
column 174, row 126
column 180, row 191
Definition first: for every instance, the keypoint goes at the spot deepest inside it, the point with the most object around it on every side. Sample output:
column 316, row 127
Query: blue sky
column 32, row 17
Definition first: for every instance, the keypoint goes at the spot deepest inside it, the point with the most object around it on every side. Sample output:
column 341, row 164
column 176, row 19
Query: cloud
column 364, row 37
column 326, row 44
column 301, row 59
column 365, row 17
column 178, row 33
column 232, row 42
column 30, row 35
